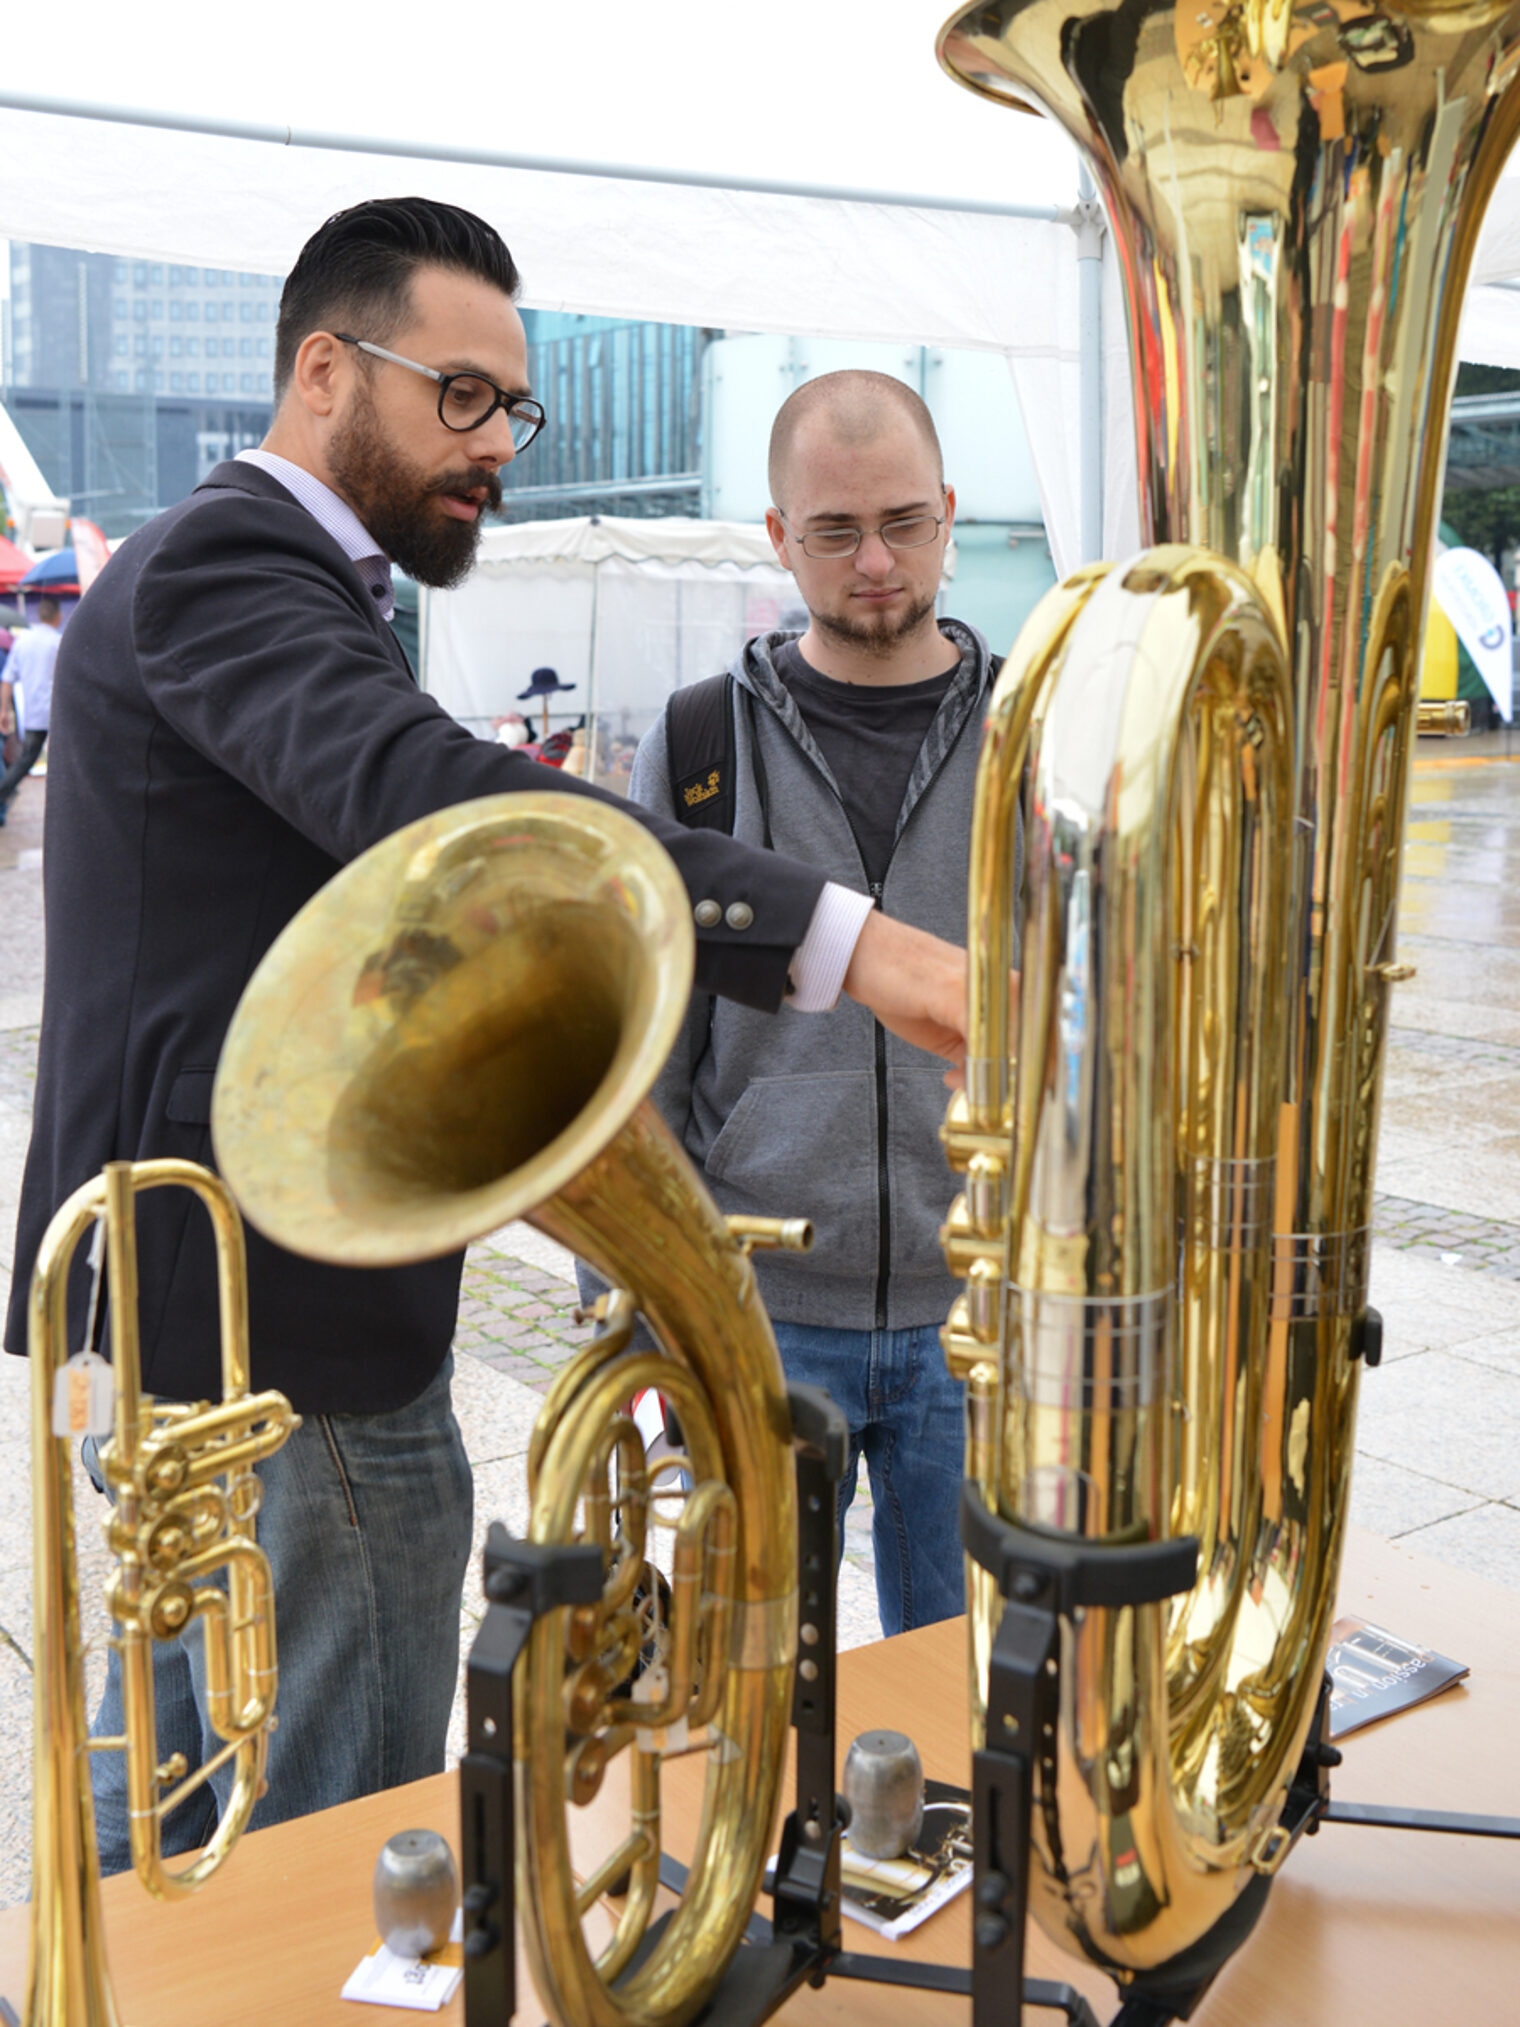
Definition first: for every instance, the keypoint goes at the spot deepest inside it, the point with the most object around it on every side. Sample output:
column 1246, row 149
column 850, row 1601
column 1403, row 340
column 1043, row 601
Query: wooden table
column 1363, row 1928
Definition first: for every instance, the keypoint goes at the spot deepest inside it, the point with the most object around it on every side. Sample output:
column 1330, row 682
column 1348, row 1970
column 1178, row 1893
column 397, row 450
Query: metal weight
column 416, row 1892
column 884, row 1786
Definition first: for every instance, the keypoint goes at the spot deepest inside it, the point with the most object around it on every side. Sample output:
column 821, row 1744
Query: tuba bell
column 458, row 1031
column 1165, row 1228
column 182, row 1535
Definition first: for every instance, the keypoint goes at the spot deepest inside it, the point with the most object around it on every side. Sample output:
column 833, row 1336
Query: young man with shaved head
column 235, row 720
column 855, row 748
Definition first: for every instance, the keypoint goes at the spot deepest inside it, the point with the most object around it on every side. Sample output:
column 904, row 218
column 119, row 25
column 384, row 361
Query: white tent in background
column 662, row 162
column 626, row 611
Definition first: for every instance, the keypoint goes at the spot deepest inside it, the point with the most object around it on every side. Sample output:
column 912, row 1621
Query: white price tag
column 84, row 1396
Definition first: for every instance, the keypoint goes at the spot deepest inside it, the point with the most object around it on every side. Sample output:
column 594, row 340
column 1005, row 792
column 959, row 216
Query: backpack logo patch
column 698, row 792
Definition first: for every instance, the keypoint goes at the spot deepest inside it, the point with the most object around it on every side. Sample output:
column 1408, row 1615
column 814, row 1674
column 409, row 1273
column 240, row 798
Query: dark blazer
column 232, row 722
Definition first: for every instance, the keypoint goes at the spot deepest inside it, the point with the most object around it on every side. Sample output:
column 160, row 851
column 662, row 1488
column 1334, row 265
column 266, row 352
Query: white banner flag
column 1472, row 595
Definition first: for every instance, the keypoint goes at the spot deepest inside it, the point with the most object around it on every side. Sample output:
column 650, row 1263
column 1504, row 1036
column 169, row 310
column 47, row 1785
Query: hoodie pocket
column 805, row 1147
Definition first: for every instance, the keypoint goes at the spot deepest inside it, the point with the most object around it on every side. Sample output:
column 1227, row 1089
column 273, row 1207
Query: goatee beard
column 880, row 636
column 391, row 498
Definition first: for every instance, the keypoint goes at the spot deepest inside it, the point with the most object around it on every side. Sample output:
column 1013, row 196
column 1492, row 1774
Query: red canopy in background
column 13, row 565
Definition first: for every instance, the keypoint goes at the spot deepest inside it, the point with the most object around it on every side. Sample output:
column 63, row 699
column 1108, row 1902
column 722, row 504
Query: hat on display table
column 543, row 683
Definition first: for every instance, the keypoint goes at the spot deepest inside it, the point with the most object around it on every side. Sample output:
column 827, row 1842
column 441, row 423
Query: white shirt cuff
column 822, row 958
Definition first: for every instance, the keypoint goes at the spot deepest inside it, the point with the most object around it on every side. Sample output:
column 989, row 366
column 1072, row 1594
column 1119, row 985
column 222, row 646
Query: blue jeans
column 907, row 1415
column 366, row 1522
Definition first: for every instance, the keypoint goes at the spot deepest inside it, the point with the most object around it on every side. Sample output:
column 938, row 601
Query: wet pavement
column 1438, row 1441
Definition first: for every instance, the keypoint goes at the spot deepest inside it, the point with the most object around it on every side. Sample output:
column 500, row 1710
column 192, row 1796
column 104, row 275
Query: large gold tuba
column 186, row 1497
column 1164, row 1233
column 459, row 1030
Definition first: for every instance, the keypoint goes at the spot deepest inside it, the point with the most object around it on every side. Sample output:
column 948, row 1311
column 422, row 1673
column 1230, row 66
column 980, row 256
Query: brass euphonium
column 182, row 1532
column 459, row 1030
column 1164, row 1232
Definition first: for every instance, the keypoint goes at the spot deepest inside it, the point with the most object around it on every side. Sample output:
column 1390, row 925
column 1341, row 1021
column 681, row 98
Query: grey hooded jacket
column 827, row 1116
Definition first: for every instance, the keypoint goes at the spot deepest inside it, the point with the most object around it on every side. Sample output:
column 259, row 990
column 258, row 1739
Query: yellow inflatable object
column 1438, row 668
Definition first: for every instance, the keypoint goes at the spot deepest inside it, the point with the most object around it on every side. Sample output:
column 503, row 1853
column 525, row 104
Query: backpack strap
column 699, row 733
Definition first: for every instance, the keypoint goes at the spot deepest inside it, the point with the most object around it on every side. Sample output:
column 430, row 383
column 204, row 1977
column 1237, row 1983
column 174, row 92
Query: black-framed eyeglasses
column 910, row 531
column 466, row 400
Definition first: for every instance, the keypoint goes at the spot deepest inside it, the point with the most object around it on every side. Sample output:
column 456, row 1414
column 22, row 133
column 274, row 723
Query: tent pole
column 1089, row 224
column 559, row 165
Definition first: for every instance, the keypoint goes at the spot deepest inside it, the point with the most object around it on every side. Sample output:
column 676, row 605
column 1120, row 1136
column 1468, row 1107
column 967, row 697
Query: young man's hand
column 915, row 985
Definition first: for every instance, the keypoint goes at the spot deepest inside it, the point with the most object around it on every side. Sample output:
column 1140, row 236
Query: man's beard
column 881, row 632
column 391, row 498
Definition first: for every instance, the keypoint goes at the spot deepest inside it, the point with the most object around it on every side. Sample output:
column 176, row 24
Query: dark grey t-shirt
column 870, row 737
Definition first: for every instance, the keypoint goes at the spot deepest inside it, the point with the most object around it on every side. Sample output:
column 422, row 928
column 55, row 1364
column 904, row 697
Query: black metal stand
column 802, row 1944
column 1042, row 1578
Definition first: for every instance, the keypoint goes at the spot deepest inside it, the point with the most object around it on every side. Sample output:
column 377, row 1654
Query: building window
column 247, row 310
column 176, row 383
column 158, row 345
column 176, row 348
column 158, row 383
column 192, row 313
column 157, row 310
column 192, row 348
column 119, row 307
column 229, row 276
column 140, row 345
column 247, row 383
column 140, row 274
column 245, row 348
column 140, row 380
column 176, row 312
column 140, row 311
column 263, row 348
column 120, row 270
column 121, row 379
column 265, row 312
column 157, row 276
column 193, row 382
column 264, row 387
column 229, row 348
column 121, row 344
column 210, row 274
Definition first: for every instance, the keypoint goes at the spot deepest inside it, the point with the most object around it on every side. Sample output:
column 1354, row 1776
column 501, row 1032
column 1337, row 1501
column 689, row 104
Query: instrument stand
column 803, row 1943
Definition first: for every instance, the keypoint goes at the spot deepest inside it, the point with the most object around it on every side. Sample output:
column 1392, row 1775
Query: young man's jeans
column 908, row 1417
column 366, row 1523
column 12, row 777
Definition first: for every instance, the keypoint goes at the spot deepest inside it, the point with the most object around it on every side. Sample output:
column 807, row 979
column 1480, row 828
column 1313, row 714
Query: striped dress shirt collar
column 338, row 518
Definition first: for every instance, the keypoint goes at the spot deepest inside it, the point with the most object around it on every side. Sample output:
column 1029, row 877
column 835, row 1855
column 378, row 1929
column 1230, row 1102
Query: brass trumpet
column 459, row 1030
column 1164, row 1233
column 184, row 1519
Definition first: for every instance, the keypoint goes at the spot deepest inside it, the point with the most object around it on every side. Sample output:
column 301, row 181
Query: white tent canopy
column 759, row 105
column 624, row 611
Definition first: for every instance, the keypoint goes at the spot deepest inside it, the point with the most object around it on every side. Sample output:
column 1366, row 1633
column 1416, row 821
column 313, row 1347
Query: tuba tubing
column 460, row 1030
column 1164, row 1231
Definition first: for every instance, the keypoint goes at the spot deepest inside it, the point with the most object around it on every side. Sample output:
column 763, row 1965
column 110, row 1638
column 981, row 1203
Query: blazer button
column 740, row 915
column 708, row 914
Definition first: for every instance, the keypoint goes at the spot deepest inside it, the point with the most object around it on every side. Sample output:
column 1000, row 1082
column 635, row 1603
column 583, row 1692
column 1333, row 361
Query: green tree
column 1486, row 518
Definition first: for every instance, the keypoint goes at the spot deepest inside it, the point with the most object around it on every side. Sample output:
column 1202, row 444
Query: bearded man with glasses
column 854, row 746
column 234, row 720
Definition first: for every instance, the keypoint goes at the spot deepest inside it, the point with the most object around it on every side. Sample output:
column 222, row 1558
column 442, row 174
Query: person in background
column 30, row 665
column 855, row 743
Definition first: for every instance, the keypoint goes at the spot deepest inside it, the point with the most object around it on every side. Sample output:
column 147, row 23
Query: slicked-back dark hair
column 355, row 272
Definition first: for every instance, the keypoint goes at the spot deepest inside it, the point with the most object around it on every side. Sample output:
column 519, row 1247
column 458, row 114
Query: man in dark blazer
column 233, row 721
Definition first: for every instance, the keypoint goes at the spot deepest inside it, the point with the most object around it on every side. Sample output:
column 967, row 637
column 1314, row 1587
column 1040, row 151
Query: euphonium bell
column 457, row 1031
column 1164, row 1233
column 182, row 1533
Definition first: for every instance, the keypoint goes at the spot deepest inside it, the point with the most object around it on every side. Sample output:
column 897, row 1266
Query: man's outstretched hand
column 915, row 985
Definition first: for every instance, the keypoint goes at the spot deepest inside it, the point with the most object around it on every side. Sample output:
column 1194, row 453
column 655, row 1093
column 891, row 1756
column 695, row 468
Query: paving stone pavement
column 1438, row 1449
